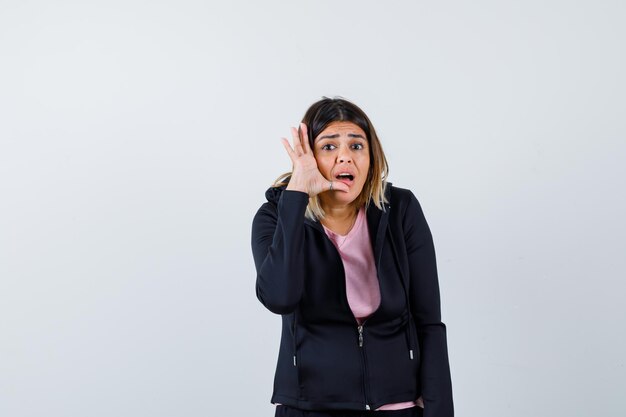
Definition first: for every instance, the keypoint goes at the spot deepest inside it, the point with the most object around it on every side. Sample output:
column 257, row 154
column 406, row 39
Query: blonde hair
column 317, row 118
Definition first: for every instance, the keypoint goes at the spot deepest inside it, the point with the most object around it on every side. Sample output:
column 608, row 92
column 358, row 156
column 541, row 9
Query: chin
column 346, row 198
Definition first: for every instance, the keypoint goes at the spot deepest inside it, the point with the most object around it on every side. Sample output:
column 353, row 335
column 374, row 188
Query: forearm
column 278, row 247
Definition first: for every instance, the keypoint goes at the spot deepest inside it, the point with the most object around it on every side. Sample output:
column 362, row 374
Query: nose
column 344, row 157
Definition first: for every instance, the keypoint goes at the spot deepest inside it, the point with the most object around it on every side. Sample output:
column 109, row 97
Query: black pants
column 285, row 411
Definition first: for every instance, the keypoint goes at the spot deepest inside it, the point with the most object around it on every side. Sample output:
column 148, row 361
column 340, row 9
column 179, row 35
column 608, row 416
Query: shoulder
column 405, row 208
column 401, row 198
column 400, row 194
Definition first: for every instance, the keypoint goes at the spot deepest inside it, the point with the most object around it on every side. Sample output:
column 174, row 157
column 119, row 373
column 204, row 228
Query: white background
column 137, row 139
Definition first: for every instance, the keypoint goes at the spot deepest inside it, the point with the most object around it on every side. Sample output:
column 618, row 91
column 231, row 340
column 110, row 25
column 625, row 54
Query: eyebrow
column 336, row 135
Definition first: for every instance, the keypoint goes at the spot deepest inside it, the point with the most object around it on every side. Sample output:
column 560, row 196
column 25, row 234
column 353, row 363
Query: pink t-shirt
column 362, row 287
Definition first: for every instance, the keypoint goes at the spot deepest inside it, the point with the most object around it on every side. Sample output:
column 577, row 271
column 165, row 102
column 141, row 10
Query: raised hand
column 305, row 175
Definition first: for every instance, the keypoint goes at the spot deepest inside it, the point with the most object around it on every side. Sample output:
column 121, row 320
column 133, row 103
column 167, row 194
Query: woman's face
column 342, row 154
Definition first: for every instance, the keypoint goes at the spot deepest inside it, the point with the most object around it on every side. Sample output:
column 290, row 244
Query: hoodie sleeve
column 426, row 310
column 278, row 247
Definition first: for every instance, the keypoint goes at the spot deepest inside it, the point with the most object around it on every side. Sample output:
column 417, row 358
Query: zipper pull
column 360, row 336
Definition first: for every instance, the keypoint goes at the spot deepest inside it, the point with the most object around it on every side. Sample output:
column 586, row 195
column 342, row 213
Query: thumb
column 337, row 186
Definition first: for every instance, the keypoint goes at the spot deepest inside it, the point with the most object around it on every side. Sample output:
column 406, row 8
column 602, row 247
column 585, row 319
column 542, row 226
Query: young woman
column 348, row 260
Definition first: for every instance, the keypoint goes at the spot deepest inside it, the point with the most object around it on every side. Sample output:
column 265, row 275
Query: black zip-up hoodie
column 326, row 360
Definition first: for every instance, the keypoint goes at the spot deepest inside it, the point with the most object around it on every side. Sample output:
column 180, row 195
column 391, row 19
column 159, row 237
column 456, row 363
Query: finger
column 287, row 146
column 304, row 131
column 336, row 186
column 297, row 143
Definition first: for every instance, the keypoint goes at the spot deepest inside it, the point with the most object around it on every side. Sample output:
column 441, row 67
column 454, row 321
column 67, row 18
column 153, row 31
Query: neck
column 339, row 212
column 339, row 218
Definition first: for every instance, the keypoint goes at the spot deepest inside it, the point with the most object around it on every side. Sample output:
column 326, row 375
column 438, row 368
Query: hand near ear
column 306, row 176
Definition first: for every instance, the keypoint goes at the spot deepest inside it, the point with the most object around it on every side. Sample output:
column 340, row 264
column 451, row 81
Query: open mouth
column 345, row 177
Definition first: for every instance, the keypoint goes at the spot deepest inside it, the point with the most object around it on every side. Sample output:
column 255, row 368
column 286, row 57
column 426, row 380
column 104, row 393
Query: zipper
column 359, row 326
column 364, row 364
column 360, row 329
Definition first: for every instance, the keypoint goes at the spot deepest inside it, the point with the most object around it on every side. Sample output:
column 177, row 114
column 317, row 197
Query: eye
column 357, row 146
column 328, row 147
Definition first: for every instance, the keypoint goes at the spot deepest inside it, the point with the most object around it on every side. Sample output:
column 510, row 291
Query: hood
column 273, row 194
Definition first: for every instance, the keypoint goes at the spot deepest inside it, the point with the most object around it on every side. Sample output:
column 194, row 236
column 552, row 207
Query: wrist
column 296, row 187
